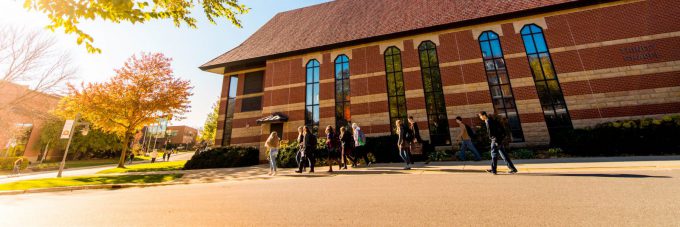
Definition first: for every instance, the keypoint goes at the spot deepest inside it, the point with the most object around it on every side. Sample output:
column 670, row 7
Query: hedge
column 629, row 137
column 7, row 163
column 224, row 157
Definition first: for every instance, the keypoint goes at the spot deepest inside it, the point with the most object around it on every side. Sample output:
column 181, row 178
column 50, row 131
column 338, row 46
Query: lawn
column 87, row 180
column 148, row 167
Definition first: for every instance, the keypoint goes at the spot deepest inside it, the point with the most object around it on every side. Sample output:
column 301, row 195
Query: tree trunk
column 123, row 154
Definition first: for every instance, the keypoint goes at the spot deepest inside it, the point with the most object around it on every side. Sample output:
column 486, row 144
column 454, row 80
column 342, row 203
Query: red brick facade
column 613, row 60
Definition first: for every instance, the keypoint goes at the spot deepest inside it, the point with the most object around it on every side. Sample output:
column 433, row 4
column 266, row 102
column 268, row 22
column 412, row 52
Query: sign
column 66, row 132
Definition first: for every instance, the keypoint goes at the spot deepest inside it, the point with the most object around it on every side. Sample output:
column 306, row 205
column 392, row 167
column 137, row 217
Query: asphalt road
column 382, row 198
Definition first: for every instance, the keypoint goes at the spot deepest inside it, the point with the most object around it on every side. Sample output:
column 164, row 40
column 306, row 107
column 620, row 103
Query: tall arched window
column 312, row 95
column 499, row 83
column 342, row 97
column 547, row 85
column 434, row 95
column 396, row 98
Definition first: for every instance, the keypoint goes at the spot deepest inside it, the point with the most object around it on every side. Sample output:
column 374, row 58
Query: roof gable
column 344, row 21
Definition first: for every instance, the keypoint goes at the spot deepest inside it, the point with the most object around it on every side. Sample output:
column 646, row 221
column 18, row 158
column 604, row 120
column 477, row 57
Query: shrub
column 439, row 155
column 7, row 163
column 555, row 151
column 628, row 137
column 523, row 154
column 286, row 156
column 224, row 157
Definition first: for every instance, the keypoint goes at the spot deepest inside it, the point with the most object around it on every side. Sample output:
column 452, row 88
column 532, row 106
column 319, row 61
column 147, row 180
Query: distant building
column 176, row 136
column 182, row 135
column 22, row 114
column 546, row 66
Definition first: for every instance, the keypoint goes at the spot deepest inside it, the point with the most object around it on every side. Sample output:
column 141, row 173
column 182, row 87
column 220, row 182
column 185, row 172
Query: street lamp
column 84, row 132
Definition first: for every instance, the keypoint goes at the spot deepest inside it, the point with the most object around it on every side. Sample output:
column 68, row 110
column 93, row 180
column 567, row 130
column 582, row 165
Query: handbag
column 416, row 148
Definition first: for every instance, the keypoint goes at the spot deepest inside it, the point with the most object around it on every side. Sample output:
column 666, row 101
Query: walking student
column 132, row 157
column 308, row 149
column 300, row 140
column 413, row 136
column 465, row 139
column 273, row 145
column 359, row 150
column 496, row 135
column 347, row 143
column 331, row 147
column 402, row 143
column 154, row 154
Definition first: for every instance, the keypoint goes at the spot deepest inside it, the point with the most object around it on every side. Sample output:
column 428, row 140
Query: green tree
column 49, row 136
column 210, row 125
column 68, row 14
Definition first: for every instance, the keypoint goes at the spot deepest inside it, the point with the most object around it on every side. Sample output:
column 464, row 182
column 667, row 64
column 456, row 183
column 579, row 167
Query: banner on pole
column 66, row 132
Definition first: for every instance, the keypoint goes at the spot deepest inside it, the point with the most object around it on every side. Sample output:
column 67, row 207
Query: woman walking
column 347, row 141
column 331, row 147
column 403, row 144
column 308, row 150
column 300, row 140
column 273, row 145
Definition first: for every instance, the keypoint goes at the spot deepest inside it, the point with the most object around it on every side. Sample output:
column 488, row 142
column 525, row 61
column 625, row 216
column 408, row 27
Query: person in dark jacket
column 403, row 144
column 308, row 150
column 496, row 135
column 415, row 136
column 331, row 147
column 347, row 145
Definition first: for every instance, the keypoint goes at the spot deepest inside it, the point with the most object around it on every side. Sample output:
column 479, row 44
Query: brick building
column 545, row 65
column 23, row 113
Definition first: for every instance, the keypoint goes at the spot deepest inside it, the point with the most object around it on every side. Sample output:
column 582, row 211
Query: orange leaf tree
column 143, row 90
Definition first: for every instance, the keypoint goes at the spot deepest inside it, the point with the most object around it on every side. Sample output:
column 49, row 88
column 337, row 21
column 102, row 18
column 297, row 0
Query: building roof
column 346, row 21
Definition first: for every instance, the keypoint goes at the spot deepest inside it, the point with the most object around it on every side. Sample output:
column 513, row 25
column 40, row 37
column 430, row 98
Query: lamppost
column 84, row 132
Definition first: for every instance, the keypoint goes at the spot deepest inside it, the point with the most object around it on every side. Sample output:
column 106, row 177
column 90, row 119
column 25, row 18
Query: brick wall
column 615, row 60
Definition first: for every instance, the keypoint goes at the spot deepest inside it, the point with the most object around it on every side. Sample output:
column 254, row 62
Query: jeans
column 307, row 158
column 272, row 159
column 468, row 145
column 403, row 152
column 496, row 149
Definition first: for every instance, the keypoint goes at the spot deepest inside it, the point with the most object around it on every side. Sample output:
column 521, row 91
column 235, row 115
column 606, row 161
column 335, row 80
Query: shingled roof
column 344, row 21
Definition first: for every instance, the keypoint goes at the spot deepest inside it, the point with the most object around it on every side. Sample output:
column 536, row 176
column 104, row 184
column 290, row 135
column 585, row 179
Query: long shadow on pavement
column 618, row 175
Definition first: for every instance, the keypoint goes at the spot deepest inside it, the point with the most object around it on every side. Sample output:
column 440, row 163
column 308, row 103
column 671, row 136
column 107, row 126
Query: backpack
column 470, row 132
column 362, row 138
column 408, row 134
column 314, row 141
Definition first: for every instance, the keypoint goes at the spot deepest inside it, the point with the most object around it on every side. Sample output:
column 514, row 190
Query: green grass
column 148, row 167
column 87, row 180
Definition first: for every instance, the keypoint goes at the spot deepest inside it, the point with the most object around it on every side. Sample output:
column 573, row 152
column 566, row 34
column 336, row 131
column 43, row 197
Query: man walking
column 496, row 135
column 465, row 139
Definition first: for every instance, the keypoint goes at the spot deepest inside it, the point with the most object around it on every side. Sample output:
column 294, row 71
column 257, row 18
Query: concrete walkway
column 78, row 171
column 524, row 166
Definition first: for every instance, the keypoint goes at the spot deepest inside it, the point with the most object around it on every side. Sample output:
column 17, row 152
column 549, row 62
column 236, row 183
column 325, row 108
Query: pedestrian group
column 348, row 144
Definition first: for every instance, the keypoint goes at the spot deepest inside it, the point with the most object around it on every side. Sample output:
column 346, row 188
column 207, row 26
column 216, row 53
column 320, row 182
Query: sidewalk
column 524, row 166
column 77, row 171
column 259, row 172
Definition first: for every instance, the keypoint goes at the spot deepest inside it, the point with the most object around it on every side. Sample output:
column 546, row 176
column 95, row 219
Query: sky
column 189, row 48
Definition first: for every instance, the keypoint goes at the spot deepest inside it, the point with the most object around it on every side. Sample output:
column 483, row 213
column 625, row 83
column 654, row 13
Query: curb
column 87, row 187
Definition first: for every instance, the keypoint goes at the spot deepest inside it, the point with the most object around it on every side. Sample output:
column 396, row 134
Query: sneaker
column 512, row 171
column 311, row 171
column 298, row 171
column 491, row 171
column 369, row 164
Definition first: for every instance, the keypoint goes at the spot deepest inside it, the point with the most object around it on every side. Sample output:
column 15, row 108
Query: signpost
column 67, row 133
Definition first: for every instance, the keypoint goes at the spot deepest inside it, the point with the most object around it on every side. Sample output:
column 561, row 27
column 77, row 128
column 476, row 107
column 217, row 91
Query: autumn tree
column 143, row 90
column 210, row 125
column 68, row 14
